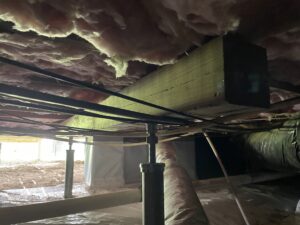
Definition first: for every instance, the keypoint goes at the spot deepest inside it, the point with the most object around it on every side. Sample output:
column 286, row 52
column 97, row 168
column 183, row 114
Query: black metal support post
column 153, row 184
column 69, row 171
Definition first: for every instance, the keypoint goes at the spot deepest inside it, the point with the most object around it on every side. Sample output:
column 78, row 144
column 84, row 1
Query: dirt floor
column 43, row 174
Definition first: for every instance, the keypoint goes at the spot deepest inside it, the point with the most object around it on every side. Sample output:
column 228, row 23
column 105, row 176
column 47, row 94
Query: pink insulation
column 157, row 31
column 69, row 57
column 116, row 40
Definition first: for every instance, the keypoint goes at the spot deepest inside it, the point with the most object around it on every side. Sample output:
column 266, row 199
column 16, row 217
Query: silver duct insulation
column 278, row 149
column 182, row 206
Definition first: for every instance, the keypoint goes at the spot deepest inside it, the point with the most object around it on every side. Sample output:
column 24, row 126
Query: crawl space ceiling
column 114, row 43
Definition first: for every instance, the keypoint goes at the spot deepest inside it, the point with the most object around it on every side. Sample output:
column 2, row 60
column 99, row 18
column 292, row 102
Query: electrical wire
column 232, row 189
column 92, row 87
column 85, row 105
column 200, row 127
column 68, row 110
column 97, row 88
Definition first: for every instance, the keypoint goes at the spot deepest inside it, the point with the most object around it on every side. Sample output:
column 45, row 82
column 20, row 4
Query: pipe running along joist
column 163, row 134
column 91, row 86
column 49, row 98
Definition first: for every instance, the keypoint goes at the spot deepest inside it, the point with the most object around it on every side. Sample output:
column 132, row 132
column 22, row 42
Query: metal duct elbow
column 182, row 206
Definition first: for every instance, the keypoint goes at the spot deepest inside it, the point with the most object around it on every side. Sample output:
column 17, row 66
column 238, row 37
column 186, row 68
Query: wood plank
column 210, row 79
column 38, row 211
column 20, row 139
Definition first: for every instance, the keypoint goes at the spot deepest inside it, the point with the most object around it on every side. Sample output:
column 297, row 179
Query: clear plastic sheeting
column 277, row 149
column 105, row 164
column 266, row 203
column 24, row 196
column 122, row 215
column 45, row 150
column 182, row 205
column 271, row 202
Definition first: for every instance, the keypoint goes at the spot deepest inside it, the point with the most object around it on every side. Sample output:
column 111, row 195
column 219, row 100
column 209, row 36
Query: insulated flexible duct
column 278, row 149
column 182, row 206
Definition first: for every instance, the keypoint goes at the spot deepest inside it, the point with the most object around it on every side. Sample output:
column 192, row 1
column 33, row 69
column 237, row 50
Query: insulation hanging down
column 278, row 149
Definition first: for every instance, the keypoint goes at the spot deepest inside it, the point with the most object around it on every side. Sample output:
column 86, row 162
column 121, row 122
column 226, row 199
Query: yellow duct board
column 18, row 139
column 224, row 75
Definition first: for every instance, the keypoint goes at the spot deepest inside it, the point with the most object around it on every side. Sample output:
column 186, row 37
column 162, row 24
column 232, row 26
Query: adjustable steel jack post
column 69, row 170
column 152, row 183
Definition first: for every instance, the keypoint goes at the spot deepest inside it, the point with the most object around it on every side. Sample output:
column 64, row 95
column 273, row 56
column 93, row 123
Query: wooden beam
column 20, row 139
column 225, row 74
column 32, row 212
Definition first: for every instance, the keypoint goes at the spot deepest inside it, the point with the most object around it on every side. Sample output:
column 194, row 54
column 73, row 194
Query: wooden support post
column 224, row 75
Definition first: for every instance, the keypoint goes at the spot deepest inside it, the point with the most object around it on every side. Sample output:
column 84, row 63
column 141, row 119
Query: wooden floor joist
column 223, row 75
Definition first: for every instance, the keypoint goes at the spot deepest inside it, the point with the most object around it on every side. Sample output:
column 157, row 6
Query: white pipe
column 232, row 189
